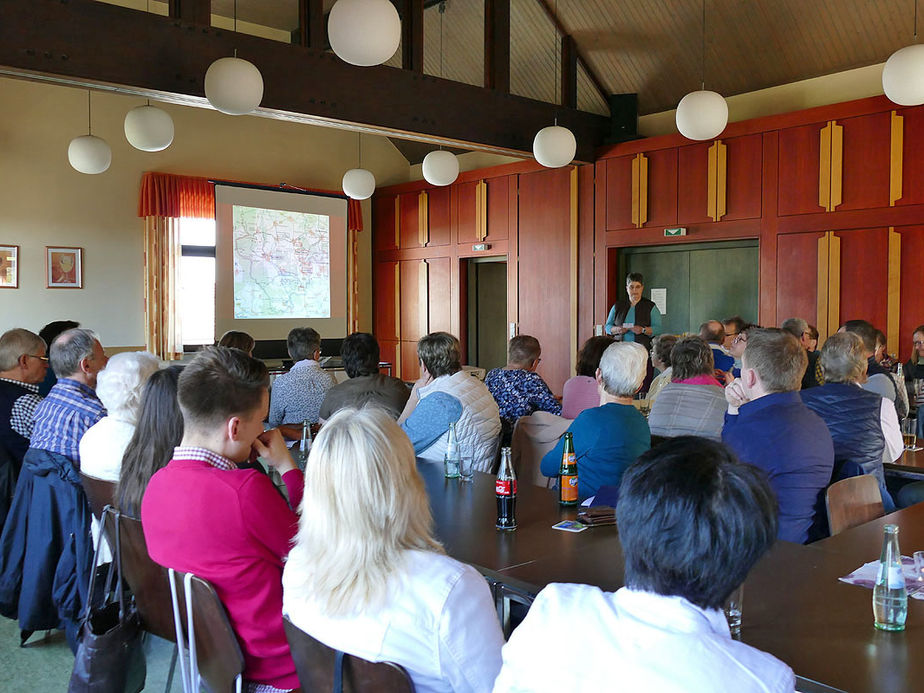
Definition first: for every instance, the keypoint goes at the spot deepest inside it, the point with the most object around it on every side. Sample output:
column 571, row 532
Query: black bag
column 109, row 657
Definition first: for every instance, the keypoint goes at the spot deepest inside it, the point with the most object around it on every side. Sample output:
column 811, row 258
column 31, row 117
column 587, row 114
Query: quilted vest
column 15, row 444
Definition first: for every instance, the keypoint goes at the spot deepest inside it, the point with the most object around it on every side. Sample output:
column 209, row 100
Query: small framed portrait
column 9, row 266
column 63, row 268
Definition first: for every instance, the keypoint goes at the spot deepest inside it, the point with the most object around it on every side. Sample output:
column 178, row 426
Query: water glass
column 467, row 466
column 919, row 567
column 909, row 432
column 733, row 609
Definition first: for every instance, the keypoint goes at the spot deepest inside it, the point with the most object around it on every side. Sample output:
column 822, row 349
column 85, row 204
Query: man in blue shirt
column 768, row 425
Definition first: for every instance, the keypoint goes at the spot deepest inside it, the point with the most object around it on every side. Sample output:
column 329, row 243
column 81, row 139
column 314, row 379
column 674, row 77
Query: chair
column 100, row 493
column 317, row 667
column 147, row 580
column 533, row 437
column 214, row 652
column 853, row 501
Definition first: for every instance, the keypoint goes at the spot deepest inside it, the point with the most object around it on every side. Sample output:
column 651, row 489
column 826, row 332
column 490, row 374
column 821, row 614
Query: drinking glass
column 919, row 567
column 733, row 609
column 467, row 466
column 909, row 432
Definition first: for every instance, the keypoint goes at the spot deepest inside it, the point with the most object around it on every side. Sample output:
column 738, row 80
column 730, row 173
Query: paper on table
column 866, row 574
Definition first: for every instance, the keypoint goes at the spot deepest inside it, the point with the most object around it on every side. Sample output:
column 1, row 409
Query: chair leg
column 180, row 640
column 176, row 650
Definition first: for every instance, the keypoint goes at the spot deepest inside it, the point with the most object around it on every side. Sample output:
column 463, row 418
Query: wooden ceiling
column 651, row 47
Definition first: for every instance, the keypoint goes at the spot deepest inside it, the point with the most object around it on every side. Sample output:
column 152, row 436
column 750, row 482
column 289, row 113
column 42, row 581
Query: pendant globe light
column 148, row 128
column 702, row 115
column 364, row 32
column 358, row 183
column 441, row 167
column 89, row 154
column 234, row 85
column 903, row 74
column 554, row 146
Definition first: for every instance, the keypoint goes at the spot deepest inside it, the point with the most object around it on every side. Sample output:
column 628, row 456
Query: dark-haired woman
column 580, row 392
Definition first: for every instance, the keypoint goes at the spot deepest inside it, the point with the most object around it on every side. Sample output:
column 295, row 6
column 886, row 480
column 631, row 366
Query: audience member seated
column 360, row 354
column 686, row 407
column 45, row 565
column 444, row 394
column 230, row 526
column 731, row 328
column 713, row 334
column 517, row 388
column 158, row 431
column 769, row 426
column 298, row 394
column 862, row 424
column 233, row 339
column 813, row 339
column 580, row 392
column 878, row 379
column 692, row 522
column 49, row 334
column 902, row 405
column 736, row 351
column 119, row 388
column 368, row 578
column 914, row 367
column 22, row 368
column 608, row 438
column 661, row 359
column 799, row 329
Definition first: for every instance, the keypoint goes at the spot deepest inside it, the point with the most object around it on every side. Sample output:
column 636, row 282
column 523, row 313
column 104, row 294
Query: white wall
column 43, row 201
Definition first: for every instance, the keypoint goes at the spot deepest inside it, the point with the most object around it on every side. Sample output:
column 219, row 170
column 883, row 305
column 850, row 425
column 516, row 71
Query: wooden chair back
column 217, row 656
column 316, row 665
column 533, row 437
column 100, row 493
column 853, row 501
column 147, row 580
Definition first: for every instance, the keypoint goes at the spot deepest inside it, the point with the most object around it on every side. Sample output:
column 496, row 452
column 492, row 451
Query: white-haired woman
column 366, row 576
column 608, row 438
column 119, row 387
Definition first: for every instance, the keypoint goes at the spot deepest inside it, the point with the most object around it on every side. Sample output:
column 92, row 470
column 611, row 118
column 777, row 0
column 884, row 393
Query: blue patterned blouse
column 519, row 393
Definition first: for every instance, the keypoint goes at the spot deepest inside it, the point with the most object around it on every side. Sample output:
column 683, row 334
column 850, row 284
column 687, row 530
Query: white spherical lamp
column 440, row 167
column 364, row 32
column 554, row 146
column 903, row 76
column 358, row 183
column 233, row 86
column 149, row 128
column 89, row 154
column 702, row 115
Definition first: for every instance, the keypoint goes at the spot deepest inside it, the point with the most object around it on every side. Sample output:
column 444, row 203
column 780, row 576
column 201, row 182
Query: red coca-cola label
column 502, row 487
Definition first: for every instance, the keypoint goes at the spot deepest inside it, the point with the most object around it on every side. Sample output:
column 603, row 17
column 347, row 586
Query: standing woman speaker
column 635, row 318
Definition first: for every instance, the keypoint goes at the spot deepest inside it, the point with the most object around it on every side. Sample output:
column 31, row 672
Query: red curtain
column 169, row 195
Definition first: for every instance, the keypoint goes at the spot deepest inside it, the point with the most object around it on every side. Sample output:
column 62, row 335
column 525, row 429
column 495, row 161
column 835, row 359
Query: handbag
column 109, row 657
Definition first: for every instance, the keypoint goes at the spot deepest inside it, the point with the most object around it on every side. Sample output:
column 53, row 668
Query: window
column 196, row 298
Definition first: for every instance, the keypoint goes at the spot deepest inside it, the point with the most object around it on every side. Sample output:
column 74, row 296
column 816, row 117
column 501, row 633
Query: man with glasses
column 799, row 329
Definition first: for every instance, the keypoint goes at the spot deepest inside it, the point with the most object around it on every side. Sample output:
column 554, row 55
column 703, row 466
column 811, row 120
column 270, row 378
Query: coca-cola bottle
column 505, row 488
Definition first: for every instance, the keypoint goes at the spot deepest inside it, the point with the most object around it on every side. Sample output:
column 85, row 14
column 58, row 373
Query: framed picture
column 9, row 266
column 63, row 268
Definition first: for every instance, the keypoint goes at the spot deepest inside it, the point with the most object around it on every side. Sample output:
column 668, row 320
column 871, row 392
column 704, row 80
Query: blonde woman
column 366, row 575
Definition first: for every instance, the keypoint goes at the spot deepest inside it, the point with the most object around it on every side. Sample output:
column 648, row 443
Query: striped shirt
column 64, row 416
column 24, row 408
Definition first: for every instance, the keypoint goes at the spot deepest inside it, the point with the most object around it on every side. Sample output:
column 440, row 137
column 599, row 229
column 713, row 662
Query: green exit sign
column 679, row 231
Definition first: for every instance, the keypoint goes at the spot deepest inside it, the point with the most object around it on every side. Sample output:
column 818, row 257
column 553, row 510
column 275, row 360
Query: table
column 909, row 466
column 794, row 606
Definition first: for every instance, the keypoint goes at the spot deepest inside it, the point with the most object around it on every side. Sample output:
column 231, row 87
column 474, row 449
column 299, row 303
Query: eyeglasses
column 732, row 334
column 918, row 343
column 35, row 356
column 740, row 338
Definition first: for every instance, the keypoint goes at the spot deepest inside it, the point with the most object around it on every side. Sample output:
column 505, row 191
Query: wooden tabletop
column 911, row 461
column 794, row 605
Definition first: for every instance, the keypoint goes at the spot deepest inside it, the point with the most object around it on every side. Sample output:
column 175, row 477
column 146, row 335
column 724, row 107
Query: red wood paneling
column 409, row 220
column 545, row 302
column 439, row 216
column 439, row 294
column 797, row 277
column 798, row 166
column 619, row 192
column 912, row 157
column 864, row 268
column 498, row 209
column 866, row 162
column 384, row 301
column 410, row 365
column 411, row 300
column 912, row 296
column 662, row 188
column 465, row 199
column 388, row 350
column 692, row 184
column 743, row 177
column 383, row 222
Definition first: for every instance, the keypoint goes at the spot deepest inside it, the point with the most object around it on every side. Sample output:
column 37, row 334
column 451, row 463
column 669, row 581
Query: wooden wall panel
column 410, row 365
column 662, row 188
column 912, row 296
column 866, row 161
column 408, row 210
column 797, row 277
column 692, row 182
column 465, row 202
column 439, row 294
column 388, row 351
column 383, row 221
column 619, row 193
column 743, row 177
column 498, row 209
column 411, row 308
column 912, row 157
column 439, row 216
column 798, row 166
column 545, row 236
column 864, row 267
column 384, row 315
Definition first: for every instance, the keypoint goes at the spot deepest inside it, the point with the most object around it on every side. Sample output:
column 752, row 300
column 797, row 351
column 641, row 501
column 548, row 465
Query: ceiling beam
column 192, row 11
column 569, row 63
column 497, row 45
column 94, row 44
column 412, row 35
column 311, row 24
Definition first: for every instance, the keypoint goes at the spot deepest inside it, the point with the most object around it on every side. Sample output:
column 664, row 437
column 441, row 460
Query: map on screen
column 281, row 263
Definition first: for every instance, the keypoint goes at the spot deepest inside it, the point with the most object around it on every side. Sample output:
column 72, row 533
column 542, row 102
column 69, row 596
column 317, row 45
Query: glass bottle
column 304, row 446
column 505, row 489
column 890, row 598
column 568, row 474
column 453, row 457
